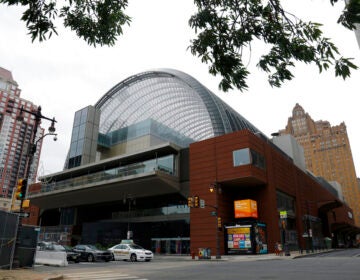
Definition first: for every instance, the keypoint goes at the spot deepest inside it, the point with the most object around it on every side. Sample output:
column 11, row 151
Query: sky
column 64, row 74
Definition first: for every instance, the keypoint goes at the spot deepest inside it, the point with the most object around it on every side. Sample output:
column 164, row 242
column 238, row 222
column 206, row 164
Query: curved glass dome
column 171, row 98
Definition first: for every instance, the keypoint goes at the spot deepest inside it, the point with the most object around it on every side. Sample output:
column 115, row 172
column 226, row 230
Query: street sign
column 22, row 214
column 202, row 203
column 283, row 214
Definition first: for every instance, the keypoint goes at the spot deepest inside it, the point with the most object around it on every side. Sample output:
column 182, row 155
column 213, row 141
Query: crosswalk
column 100, row 274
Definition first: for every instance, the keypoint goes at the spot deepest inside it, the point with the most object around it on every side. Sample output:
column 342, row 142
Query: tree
column 225, row 30
column 226, row 27
column 98, row 22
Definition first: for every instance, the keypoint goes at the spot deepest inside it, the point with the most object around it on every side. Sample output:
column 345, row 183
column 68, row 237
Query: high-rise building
column 15, row 135
column 327, row 153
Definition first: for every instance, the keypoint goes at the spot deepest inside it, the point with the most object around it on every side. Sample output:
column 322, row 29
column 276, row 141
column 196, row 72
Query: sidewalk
column 27, row 274
column 32, row 274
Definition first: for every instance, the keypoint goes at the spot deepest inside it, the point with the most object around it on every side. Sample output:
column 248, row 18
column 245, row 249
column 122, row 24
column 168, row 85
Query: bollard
column 287, row 249
column 193, row 255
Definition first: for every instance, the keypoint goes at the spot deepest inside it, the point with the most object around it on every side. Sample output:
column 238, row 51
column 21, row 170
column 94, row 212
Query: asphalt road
column 337, row 265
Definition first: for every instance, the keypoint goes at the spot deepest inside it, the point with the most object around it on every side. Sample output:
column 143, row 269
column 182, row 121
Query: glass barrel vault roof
column 172, row 98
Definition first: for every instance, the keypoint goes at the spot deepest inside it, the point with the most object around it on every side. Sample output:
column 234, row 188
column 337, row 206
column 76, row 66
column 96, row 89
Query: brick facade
column 212, row 161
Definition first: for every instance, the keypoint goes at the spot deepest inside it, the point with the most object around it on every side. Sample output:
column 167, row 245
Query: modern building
column 15, row 135
column 148, row 146
column 327, row 153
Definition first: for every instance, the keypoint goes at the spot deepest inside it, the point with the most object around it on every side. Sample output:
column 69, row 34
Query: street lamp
column 215, row 188
column 130, row 200
column 33, row 142
column 30, row 155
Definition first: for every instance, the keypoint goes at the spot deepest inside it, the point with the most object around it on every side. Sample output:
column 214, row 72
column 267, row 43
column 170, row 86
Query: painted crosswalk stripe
column 103, row 275
column 89, row 273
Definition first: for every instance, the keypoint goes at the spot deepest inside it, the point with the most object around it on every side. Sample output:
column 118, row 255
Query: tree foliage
column 98, row 22
column 225, row 30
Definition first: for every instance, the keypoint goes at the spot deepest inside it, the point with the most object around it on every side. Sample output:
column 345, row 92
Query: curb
column 56, row 277
column 312, row 254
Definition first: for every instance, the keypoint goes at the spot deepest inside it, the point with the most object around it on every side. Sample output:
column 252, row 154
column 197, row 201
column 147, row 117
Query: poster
column 247, row 238
column 239, row 237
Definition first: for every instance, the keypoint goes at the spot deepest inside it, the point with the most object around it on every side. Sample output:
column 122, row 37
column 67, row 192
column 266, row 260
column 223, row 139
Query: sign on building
column 245, row 208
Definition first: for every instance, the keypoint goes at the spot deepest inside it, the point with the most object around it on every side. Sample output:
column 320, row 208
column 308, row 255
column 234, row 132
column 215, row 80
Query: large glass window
column 285, row 202
column 165, row 164
column 257, row 159
column 248, row 156
column 171, row 98
column 241, row 157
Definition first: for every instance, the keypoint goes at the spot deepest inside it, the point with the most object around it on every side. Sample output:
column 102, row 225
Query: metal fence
column 8, row 229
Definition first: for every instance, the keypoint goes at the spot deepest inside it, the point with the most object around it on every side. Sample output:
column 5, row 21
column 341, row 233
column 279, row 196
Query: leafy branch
column 225, row 32
column 220, row 36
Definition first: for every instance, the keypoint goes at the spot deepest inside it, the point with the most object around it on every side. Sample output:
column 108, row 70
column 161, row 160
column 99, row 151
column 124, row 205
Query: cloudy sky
column 64, row 74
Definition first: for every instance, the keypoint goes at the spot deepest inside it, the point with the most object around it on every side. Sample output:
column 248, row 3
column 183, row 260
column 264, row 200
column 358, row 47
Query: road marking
column 103, row 275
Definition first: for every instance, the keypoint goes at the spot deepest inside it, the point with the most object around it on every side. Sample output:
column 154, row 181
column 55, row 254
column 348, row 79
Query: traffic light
column 196, row 201
column 219, row 223
column 190, row 201
column 21, row 189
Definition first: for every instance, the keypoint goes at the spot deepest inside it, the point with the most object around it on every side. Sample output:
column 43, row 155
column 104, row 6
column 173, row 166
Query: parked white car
column 132, row 252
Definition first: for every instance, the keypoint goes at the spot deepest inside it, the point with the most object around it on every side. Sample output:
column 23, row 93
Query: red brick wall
column 212, row 161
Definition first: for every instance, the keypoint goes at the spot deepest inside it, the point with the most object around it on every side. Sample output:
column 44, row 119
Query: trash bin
column 327, row 242
column 204, row 253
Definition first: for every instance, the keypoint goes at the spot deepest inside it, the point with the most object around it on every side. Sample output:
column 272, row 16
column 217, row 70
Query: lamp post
column 130, row 200
column 215, row 188
column 30, row 156
column 33, row 142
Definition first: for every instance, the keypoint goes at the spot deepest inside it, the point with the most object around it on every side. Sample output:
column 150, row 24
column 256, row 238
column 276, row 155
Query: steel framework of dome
column 172, row 98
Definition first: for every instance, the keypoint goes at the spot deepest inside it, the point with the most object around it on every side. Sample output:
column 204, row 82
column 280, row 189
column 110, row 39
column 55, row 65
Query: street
column 341, row 264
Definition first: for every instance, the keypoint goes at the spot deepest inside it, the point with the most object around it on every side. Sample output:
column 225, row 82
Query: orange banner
column 246, row 208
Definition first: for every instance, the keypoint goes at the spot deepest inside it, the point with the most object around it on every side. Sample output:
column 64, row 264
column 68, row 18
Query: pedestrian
column 277, row 248
column 280, row 249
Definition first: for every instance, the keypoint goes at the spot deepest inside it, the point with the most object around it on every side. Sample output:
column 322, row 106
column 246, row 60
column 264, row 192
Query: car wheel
column 133, row 258
column 90, row 258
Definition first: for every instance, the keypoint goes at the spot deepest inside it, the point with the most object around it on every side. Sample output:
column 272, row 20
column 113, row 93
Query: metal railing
column 115, row 173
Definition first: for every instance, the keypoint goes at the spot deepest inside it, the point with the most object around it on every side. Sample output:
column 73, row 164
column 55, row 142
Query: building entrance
column 178, row 245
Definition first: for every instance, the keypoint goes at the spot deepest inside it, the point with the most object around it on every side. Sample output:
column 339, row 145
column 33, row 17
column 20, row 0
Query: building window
column 248, row 156
column 241, row 157
column 257, row 159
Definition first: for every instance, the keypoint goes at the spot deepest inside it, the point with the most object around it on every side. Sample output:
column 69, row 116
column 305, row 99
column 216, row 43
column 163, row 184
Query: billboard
column 239, row 237
column 245, row 208
column 246, row 238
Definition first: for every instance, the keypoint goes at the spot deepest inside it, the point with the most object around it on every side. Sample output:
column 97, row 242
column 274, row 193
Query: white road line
column 95, row 272
column 103, row 275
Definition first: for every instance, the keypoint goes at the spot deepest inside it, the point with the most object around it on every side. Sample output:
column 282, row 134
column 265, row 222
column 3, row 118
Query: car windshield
column 93, row 247
column 134, row 246
column 58, row 247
